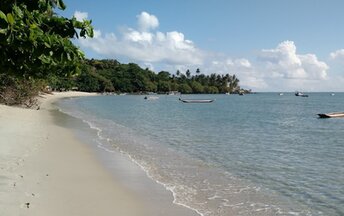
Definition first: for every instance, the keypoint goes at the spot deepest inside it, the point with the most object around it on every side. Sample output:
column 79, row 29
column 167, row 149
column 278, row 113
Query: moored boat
column 196, row 100
column 331, row 115
column 300, row 94
column 151, row 98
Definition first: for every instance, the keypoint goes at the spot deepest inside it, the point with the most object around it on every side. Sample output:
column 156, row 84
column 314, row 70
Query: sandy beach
column 46, row 170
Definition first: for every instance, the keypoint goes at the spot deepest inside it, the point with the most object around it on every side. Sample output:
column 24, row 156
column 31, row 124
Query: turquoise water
column 259, row 154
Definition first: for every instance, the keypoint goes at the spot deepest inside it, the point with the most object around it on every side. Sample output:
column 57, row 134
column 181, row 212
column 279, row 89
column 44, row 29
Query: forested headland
column 112, row 76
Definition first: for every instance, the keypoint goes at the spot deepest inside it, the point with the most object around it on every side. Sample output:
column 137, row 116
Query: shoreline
column 47, row 170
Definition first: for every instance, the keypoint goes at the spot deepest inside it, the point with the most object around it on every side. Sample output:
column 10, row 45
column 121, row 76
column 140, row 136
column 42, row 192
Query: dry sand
column 45, row 170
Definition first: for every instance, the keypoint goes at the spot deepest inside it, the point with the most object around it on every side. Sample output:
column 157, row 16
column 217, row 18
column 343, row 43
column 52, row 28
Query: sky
column 271, row 45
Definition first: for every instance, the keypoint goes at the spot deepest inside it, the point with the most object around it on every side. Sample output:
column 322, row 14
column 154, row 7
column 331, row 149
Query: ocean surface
column 259, row 154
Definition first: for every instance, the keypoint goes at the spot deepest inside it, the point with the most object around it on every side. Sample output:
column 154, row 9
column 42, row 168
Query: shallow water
column 259, row 154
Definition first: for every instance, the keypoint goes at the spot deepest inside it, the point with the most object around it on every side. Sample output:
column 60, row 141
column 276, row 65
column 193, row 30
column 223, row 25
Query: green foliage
column 107, row 75
column 35, row 42
column 197, row 87
column 164, row 86
column 185, row 88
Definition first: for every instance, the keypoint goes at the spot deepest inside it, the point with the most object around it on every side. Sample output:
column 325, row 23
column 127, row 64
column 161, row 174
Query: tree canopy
column 35, row 41
column 110, row 75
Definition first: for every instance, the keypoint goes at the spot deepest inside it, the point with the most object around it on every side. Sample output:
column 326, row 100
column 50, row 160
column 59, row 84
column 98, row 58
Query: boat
column 173, row 93
column 331, row 115
column 151, row 98
column 280, row 94
column 300, row 94
column 196, row 100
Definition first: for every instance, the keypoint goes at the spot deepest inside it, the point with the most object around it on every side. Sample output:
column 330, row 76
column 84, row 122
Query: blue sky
column 272, row 45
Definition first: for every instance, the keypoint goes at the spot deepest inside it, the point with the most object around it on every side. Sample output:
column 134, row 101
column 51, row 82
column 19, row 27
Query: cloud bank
column 283, row 61
column 146, row 45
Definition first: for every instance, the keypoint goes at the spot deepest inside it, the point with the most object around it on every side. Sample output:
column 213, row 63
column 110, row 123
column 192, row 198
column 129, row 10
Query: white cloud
column 283, row 61
column 80, row 16
column 337, row 55
column 147, row 21
column 241, row 67
column 146, row 45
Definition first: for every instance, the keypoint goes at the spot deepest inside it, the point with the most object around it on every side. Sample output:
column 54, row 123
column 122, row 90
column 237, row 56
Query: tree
column 164, row 75
column 35, row 42
column 185, row 88
column 233, row 84
column 197, row 87
column 178, row 73
column 164, row 86
column 188, row 73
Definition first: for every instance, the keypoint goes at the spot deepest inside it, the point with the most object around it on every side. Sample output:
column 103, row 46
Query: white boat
column 280, row 94
column 196, row 100
column 151, row 98
column 331, row 115
column 173, row 93
column 298, row 93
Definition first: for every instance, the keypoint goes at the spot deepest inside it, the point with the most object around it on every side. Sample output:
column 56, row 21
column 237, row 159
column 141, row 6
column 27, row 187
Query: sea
column 257, row 154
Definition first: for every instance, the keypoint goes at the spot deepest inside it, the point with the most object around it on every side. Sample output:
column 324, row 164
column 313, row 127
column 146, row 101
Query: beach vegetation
column 35, row 45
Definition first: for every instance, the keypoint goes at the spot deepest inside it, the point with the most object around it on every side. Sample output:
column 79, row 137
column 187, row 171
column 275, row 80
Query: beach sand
column 46, row 170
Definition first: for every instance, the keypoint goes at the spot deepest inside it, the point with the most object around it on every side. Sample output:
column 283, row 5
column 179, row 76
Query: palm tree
column 233, row 83
column 188, row 73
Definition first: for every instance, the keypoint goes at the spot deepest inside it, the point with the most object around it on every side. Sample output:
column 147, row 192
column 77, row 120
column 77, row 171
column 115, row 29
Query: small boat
column 331, row 115
column 196, row 100
column 151, row 98
column 300, row 94
column 280, row 94
column 332, row 94
column 173, row 93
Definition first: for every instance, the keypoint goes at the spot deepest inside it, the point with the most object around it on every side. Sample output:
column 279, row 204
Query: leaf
column 68, row 57
column 61, row 5
column 47, row 45
column 10, row 19
column 44, row 59
column 18, row 11
column 3, row 16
